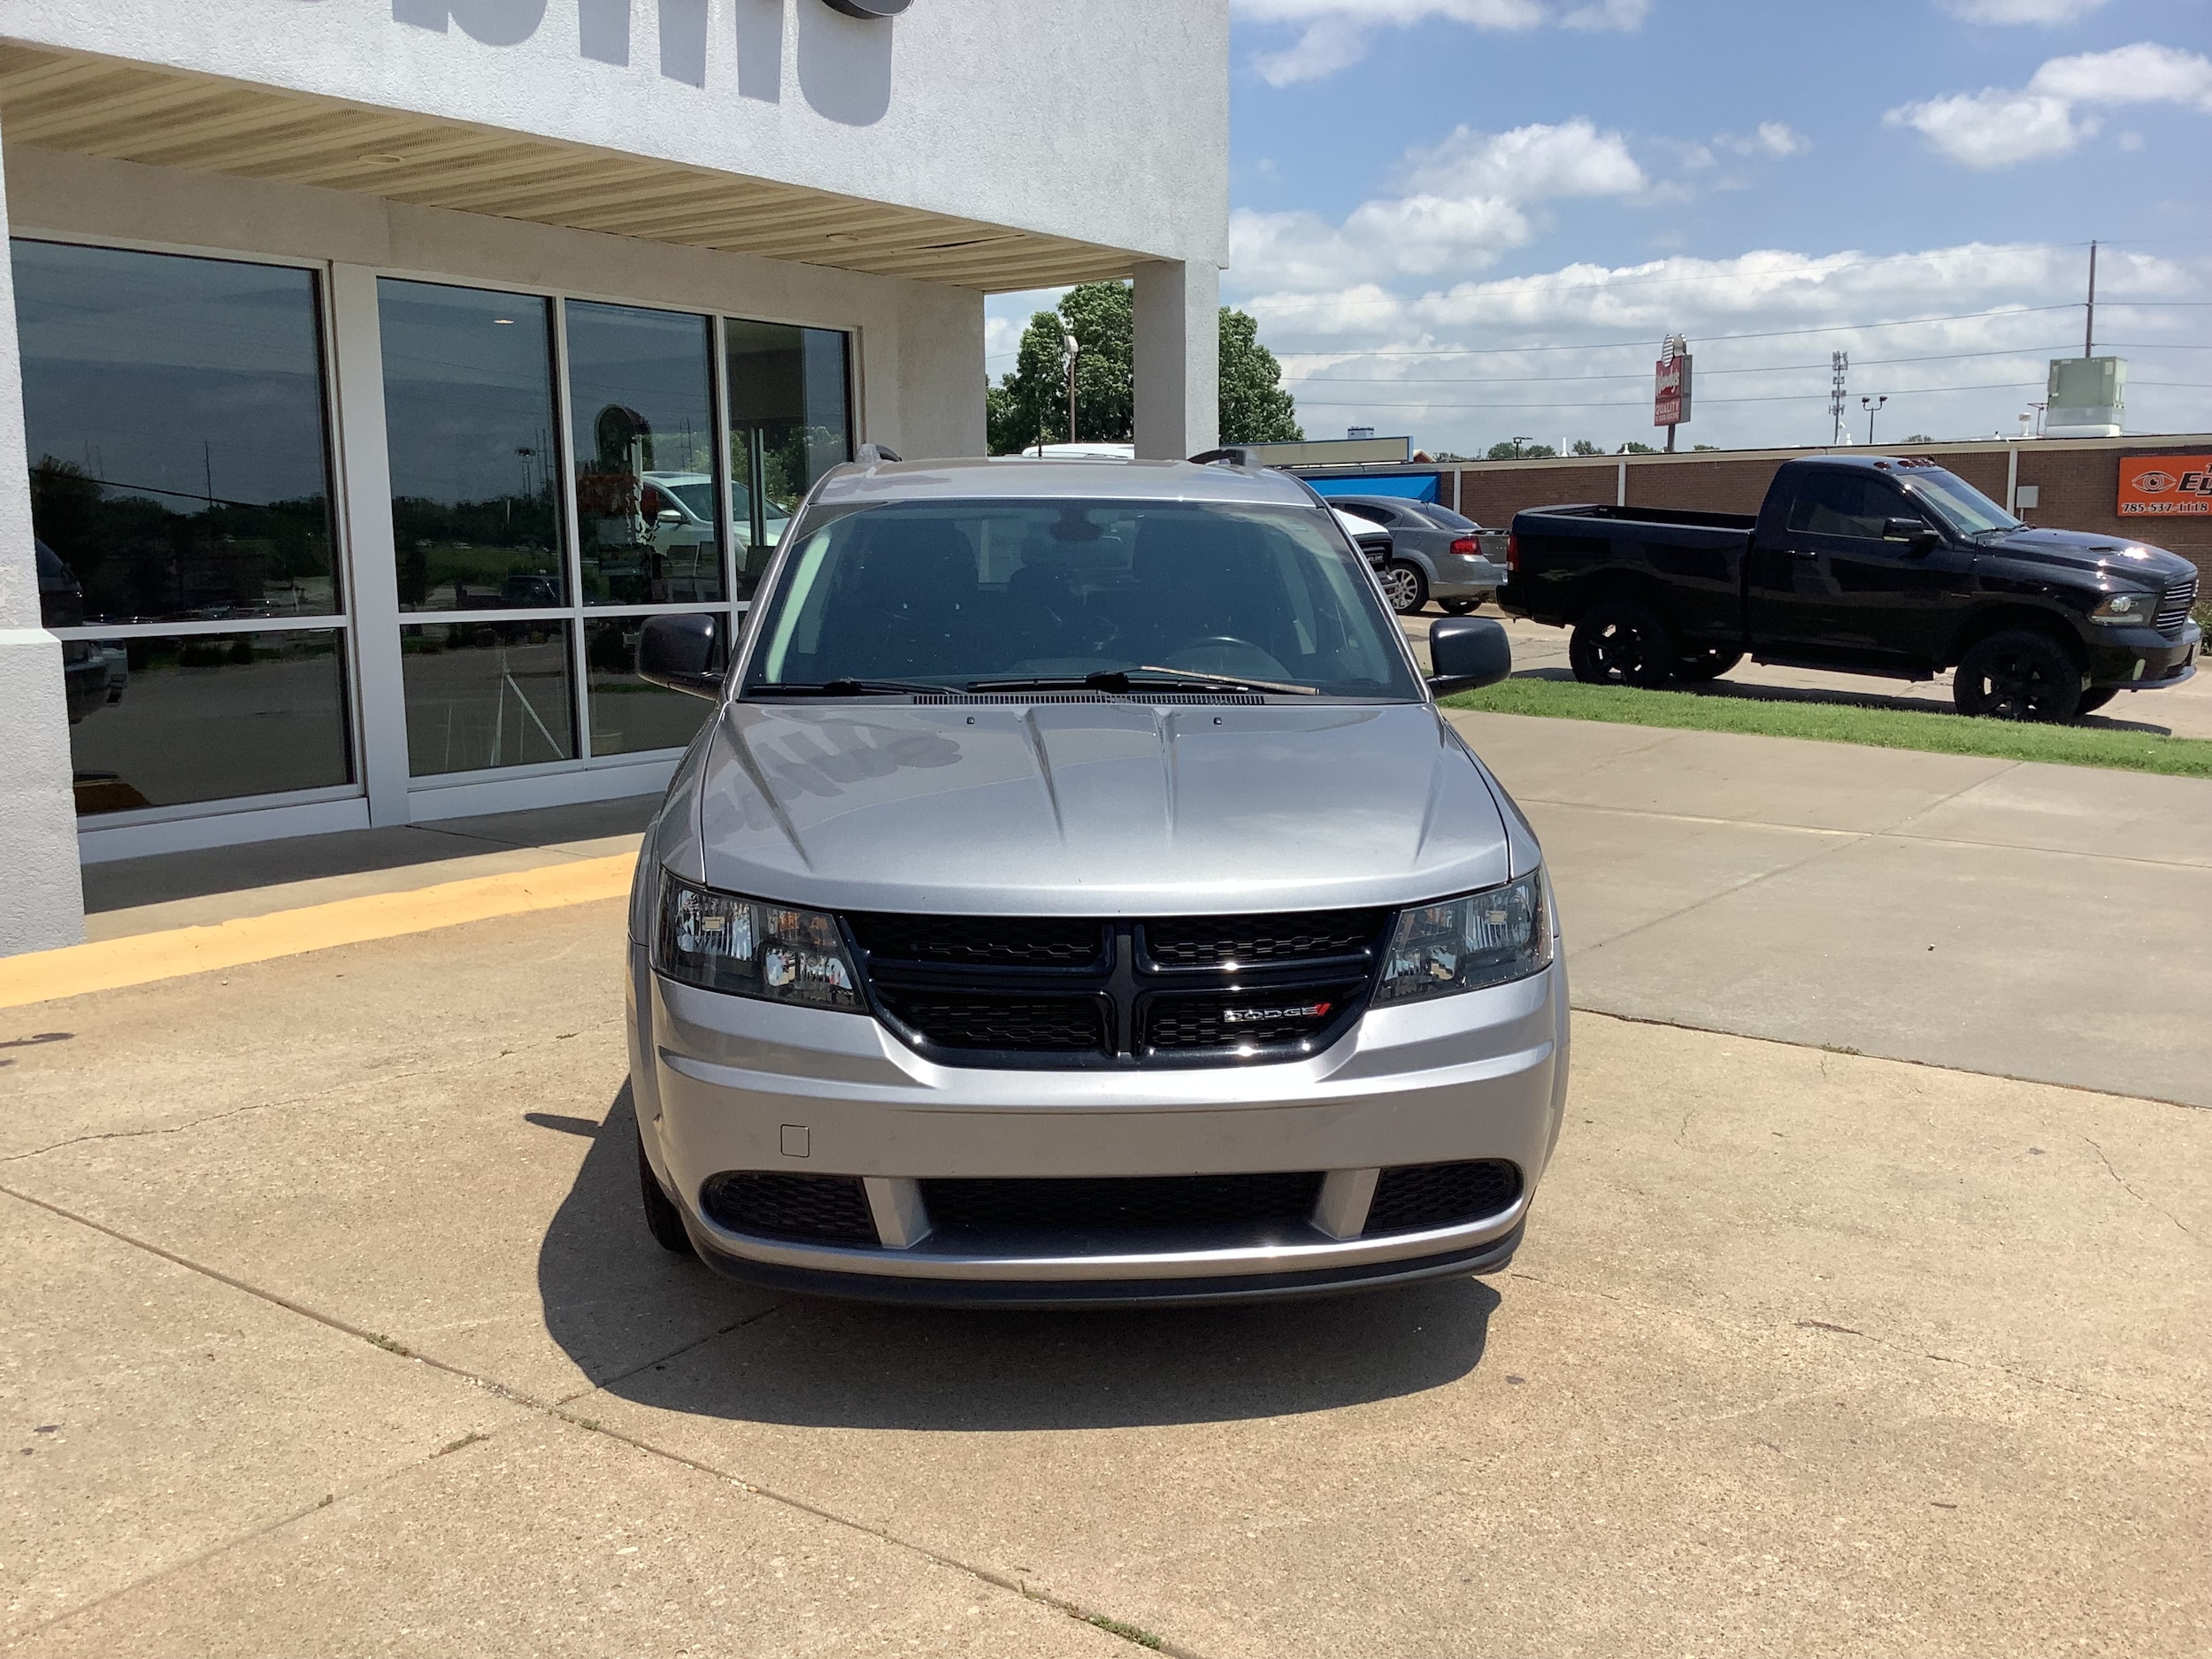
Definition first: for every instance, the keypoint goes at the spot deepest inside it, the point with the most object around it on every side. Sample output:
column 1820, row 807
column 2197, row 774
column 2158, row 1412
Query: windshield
column 698, row 497
column 1965, row 509
column 1020, row 591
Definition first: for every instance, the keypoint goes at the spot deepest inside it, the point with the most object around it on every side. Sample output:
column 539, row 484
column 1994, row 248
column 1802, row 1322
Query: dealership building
column 372, row 369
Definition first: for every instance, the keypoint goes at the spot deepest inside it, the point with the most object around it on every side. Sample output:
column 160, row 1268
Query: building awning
column 128, row 112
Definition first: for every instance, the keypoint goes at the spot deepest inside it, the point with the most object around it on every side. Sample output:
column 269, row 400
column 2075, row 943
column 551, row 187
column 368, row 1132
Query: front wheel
column 1404, row 586
column 2017, row 675
column 1707, row 665
column 1461, row 607
column 1621, row 642
column 663, row 1219
column 2092, row 701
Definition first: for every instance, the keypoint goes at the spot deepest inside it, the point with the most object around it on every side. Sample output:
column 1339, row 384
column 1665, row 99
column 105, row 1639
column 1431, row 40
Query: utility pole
column 2089, row 332
column 1068, row 336
column 1839, row 366
column 1873, row 407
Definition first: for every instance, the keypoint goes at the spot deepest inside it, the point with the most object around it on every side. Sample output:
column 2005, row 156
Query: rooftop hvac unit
column 2088, row 398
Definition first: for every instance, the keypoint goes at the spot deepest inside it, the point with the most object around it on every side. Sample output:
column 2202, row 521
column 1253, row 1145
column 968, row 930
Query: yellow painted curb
column 112, row 963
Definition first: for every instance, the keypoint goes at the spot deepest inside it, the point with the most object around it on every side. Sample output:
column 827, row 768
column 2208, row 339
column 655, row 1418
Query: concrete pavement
column 1806, row 1353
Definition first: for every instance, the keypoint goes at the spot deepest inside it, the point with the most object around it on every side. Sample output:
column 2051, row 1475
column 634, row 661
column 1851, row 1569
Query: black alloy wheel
column 2017, row 675
column 663, row 1219
column 1711, row 664
column 1404, row 586
column 2093, row 701
column 1461, row 607
column 1620, row 643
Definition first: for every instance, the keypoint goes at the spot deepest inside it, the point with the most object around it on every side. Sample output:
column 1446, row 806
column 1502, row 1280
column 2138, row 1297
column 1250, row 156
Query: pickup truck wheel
column 1623, row 643
column 2093, row 701
column 1706, row 664
column 663, row 1220
column 1461, row 607
column 2017, row 675
column 1404, row 586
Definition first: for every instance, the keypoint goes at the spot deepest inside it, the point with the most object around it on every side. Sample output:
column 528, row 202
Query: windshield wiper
column 1121, row 681
column 847, row 686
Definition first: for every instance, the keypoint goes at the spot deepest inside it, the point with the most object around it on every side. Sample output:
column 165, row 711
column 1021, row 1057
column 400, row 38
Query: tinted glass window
column 790, row 422
column 629, row 716
column 468, row 417
column 486, row 693
column 1367, row 511
column 1844, row 503
column 1444, row 518
column 953, row 595
column 174, row 413
column 642, row 403
column 1958, row 504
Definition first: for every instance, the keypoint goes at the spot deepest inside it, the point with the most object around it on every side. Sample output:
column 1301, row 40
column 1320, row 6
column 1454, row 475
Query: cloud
column 2046, row 13
column 1333, row 35
column 1525, row 165
column 1999, row 127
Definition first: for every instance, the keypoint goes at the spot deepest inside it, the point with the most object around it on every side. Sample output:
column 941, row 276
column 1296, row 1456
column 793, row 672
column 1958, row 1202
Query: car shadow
column 824, row 1362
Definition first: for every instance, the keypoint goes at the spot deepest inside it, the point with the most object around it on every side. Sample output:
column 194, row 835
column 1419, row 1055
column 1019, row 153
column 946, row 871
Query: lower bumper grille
column 1414, row 1197
column 810, row 1208
column 1120, row 1204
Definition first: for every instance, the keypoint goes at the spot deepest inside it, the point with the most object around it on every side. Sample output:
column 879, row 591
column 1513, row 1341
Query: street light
column 1067, row 337
column 1518, row 443
column 1873, row 407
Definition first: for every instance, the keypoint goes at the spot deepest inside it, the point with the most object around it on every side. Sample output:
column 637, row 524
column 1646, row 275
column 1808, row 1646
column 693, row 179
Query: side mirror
column 668, row 515
column 684, row 654
column 1467, row 653
column 1912, row 532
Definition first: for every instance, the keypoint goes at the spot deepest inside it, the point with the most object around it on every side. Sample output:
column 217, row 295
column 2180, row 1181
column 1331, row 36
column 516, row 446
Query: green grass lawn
column 1841, row 723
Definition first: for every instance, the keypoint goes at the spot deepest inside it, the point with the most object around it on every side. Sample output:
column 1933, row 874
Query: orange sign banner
column 2165, row 486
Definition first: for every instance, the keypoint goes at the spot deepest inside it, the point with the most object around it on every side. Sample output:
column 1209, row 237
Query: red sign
column 1670, row 406
column 2165, row 486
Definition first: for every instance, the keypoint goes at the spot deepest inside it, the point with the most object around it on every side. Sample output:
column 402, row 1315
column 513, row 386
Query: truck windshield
column 1012, row 593
column 1958, row 504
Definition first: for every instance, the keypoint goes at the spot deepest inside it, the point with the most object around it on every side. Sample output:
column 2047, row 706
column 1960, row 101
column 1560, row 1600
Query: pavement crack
column 162, row 1129
column 2135, row 1192
column 676, row 1353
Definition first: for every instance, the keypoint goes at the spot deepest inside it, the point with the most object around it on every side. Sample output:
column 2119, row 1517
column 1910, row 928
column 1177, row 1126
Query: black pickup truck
column 1872, row 564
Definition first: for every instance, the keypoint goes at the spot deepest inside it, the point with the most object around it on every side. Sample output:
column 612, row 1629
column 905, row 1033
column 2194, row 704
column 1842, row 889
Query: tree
column 1583, row 446
column 1518, row 449
column 1030, row 403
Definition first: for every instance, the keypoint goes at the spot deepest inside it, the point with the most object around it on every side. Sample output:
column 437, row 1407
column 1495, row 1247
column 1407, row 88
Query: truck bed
column 1564, row 554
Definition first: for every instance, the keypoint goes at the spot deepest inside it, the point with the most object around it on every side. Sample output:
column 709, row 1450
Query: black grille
column 1033, row 1025
column 1011, row 941
column 1121, row 1204
column 1263, row 1018
column 1222, row 941
column 1413, row 1197
column 2173, row 610
column 818, row 1208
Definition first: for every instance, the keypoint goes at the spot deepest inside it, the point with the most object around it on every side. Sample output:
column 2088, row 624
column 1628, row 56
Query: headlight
column 719, row 942
column 1484, row 939
column 2137, row 608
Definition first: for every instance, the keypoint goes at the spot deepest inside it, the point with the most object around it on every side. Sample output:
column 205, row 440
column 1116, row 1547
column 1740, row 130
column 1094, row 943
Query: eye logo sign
column 868, row 8
column 2165, row 486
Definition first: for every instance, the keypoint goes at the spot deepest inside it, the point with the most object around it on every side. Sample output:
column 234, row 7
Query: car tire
column 1707, row 665
column 663, row 1219
column 2017, row 675
column 1621, row 642
column 1461, row 607
column 2093, row 701
column 1404, row 587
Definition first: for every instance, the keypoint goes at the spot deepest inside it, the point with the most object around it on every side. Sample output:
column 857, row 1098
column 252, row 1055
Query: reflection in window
column 629, row 717
column 484, row 694
column 468, row 415
column 209, row 717
column 641, row 398
column 790, row 422
column 174, row 411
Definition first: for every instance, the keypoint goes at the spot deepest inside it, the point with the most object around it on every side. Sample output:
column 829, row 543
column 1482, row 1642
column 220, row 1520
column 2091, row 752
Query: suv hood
column 1094, row 808
column 2081, row 550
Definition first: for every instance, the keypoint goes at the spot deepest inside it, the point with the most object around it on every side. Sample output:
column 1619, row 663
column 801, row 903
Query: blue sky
column 1474, row 220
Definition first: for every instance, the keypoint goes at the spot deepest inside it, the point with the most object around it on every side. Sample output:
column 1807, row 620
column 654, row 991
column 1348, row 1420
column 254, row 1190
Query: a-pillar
column 42, row 901
column 1178, row 349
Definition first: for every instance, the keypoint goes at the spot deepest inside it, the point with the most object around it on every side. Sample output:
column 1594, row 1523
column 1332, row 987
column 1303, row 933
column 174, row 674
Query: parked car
column 1437, row 554
column 1077, row 896
column 1871, row 565
column 84, row 669
column 1369, row 538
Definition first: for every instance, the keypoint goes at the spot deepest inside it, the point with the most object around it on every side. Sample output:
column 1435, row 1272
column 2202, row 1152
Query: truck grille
column 813, row 1208
column 2173, row 609
column 1414, row 1197
column 1172, row 990
column 1120, row 1204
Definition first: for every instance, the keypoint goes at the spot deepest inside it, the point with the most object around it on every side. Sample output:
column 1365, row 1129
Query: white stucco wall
column 1103, row 121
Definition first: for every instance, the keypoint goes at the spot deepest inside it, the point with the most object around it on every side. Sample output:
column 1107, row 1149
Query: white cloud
column 1333, row 35
column 1999, row 126
column 2046, row 13
column 1525, row 165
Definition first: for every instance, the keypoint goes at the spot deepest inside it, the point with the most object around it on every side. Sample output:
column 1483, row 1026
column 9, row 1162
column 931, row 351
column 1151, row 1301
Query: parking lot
column 335, row 1329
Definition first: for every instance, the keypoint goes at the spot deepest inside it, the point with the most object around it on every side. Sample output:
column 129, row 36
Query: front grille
column 2173, row 609
column 1011, row 941
column 1119, row 1204
column 1414, row 1197
column 1228, row 941
column 814, row 1209
column 1030, row 1025
column 1263, row 1018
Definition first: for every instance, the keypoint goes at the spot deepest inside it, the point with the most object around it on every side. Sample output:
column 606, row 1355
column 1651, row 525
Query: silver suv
column 1077, row 897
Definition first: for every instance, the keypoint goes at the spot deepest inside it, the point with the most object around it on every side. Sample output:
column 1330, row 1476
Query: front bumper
column 728, row 1084
column 2144, row 659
